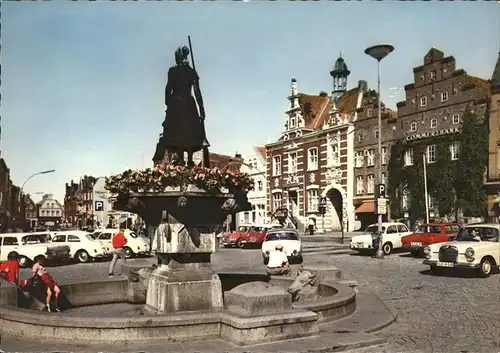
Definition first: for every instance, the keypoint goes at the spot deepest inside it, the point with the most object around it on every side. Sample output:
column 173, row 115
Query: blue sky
column 83, row 83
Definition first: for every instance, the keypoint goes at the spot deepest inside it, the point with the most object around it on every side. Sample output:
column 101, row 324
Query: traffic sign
column 99, row 206
column 322, row 201
column 381, row 206
column 381, row 192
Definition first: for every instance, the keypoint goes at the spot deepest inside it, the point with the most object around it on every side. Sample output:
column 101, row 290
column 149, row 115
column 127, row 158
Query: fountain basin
column 336, row 301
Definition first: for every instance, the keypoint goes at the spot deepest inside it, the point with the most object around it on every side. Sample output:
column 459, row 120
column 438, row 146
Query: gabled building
column 254, row 163
column 493, row 180
column 50, row 211
column 70, row 203
column 314, row 156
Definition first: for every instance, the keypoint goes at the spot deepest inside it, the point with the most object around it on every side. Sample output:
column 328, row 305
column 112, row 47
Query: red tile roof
column 262, row 151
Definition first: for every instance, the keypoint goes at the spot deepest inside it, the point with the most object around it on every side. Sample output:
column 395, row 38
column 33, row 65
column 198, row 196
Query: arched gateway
column 337, row 213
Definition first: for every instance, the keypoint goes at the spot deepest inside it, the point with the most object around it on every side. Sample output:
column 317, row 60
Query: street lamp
column 379, row 52
column 34, row 175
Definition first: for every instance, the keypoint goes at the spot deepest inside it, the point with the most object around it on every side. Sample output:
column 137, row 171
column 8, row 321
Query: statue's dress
column 182, row 128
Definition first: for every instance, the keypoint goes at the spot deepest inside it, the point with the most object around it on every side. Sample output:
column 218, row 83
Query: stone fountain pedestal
column 182, row 224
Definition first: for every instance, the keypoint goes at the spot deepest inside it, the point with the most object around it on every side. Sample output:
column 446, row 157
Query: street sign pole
column 381, row 203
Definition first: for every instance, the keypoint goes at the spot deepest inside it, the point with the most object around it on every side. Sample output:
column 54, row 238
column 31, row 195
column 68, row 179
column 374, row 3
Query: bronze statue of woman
column 183, row 129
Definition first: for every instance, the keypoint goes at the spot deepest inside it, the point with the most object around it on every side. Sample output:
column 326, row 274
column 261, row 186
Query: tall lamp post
column 379, row 52
column 34, row 175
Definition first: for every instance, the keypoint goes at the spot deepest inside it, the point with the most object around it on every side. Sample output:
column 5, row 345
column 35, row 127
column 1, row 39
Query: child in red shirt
column 10, row 269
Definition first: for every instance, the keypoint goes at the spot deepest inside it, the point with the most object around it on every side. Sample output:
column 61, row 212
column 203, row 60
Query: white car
column 83, row 245
column 392, row 232
column 287, row 237
column 31, row 246
column 476, row 246
column 136, row 244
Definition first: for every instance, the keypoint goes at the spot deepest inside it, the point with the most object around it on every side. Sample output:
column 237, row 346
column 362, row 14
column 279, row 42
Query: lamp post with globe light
column 379, row 52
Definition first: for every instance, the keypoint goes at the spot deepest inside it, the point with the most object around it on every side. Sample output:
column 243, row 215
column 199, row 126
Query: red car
column 245, row 236
column 426, row 234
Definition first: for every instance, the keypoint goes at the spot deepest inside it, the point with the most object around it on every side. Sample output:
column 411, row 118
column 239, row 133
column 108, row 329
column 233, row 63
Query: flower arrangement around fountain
column 159, row 179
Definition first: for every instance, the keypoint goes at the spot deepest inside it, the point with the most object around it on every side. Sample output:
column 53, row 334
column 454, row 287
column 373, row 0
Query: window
column 431, row 154
column 370, row 179
column 369, row 112
column 312, row 162
column 423, row 101
column 405, row 201
column 360, row 137
column 431, row 201
column 444, row 96
column 402, row 228
column 277, row 201
column 277, row 165
column 376, row 134
column 392, row 230
column 432, row 74
column 434, row 123
column 360, row 159
column 292, row 123
column 409, row 157
column 384, row 155
column 454, row 149
column 61, row 238
column 260, row 186
column 292, row 162
column 455, row 118
column 335, row 154
column 105, row 236
column 360, row 185
column 312, row 200
column 371, row 157
column 10, row 241
column 384, row 179
column 73, row 239
column 413, row 126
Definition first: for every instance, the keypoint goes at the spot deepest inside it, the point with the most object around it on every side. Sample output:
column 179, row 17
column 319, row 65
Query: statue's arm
column 168, row 88
column 197, row 95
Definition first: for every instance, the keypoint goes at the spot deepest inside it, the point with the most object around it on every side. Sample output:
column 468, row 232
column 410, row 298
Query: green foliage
column 454, row 184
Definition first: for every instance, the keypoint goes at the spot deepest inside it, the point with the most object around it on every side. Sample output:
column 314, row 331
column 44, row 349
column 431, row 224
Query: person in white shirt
column 311, row 226
column 278, row 262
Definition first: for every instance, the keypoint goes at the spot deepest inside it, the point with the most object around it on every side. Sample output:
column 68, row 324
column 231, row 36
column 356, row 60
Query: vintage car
column 136, row 244
column 31, row 246
column 289, row 238
column 392, row 232
column 83, row 246
column 476, row 246
column 246, row 235
column 427, row 234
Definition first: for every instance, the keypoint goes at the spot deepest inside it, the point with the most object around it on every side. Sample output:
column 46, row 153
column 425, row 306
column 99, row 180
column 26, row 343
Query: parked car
column 427, row 234
column 392, row 232
column 246, row 235
column 84, row 246
column 136, row 244
column 476, row 246
column 289, row 238
column 30, row 247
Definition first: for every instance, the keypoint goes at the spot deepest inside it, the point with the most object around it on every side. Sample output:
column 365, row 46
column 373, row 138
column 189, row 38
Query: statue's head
column 181, row 55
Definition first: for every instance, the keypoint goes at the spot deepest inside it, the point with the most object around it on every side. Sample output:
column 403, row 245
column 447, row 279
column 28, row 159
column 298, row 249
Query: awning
column 366, row 207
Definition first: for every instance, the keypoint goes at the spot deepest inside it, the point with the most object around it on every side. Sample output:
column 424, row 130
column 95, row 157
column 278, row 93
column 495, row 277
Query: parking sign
column 98, row 206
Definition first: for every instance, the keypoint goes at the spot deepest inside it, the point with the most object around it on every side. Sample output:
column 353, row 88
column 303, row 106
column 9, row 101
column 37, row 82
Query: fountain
column 182, row 299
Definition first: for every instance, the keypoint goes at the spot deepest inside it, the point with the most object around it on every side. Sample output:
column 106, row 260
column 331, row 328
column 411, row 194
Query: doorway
column 335, row 198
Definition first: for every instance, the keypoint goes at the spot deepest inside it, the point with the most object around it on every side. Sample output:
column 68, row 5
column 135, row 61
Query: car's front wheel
column 485, row 267
column 240, row 243
column 24, row 261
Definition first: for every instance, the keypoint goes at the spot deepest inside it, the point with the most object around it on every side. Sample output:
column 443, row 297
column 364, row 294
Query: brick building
column 30, row 212
column 433, row 107
column 70, row 203
column 314, row 157
column 4, row 195
column 493, row 180
column 366, row 154
column 17, row 217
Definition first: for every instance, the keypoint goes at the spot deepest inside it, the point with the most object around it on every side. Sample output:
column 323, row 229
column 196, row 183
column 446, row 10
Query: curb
column 394, row 314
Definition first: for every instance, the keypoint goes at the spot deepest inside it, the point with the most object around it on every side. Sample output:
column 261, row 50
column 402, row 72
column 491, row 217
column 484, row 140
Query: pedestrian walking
column 119, row 241
column 311, row 226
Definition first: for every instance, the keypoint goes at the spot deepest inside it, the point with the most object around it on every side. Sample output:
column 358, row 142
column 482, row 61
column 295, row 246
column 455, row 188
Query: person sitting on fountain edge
column 10, row 269
column 50, row 285
column 278, row 262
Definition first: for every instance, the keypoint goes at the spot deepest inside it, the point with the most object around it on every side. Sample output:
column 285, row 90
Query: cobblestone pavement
column 436, row 314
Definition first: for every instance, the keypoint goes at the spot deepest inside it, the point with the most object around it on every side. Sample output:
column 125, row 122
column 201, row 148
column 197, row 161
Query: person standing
column 119, row 241
column 51, row 286
column 311, row 226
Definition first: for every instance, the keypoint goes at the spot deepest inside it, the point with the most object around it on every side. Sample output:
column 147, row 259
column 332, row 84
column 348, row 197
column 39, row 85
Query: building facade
column 50, row 211
column 70, row 204
column 366, row 155
column 493, row 180
column 314, row 156
column 31, row 214
column 254, row 163
column 4, row 195
column 83, row 196
column 433, row 108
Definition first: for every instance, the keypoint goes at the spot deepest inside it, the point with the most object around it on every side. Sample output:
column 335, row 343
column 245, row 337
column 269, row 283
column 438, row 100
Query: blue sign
column 322, row 201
